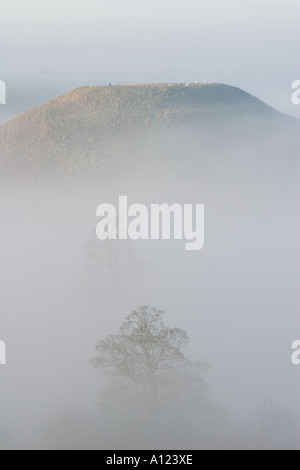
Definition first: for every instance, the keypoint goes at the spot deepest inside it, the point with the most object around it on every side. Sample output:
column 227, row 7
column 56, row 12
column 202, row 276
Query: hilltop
column 94, row 129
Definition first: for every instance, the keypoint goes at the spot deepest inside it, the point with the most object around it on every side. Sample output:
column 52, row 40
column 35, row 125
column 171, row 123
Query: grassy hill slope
column 91, row 129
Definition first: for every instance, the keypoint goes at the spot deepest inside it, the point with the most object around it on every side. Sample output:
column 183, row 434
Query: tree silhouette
column 152, row 382
column 114, row 262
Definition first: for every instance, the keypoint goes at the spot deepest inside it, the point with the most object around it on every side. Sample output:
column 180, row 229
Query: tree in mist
column 112, row 260
column 152, row 382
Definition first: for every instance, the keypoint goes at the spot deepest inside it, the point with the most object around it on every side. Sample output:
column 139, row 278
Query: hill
column 91, row 130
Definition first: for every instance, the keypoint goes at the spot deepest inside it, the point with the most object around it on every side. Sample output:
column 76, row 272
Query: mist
column 237, row 298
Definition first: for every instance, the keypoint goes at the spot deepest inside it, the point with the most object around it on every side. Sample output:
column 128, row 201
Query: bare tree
column 150, row 376
column 112, row 261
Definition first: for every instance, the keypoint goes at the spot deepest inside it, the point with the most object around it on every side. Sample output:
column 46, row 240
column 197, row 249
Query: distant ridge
column 88, row 128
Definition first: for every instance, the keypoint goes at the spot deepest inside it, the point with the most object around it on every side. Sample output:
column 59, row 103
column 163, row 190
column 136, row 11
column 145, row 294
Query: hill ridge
column 88, row 127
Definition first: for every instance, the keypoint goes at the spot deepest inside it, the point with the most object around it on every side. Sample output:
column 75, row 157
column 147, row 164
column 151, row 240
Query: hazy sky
column 251, row 44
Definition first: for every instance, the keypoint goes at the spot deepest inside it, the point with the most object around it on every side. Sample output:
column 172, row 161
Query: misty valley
column 118, row 336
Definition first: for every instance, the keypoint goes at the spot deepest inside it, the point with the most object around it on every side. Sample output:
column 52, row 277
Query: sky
column 251, row 44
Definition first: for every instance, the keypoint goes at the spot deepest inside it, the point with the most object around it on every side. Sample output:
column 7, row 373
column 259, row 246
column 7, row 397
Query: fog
column 237, row 298
column 63, row 290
